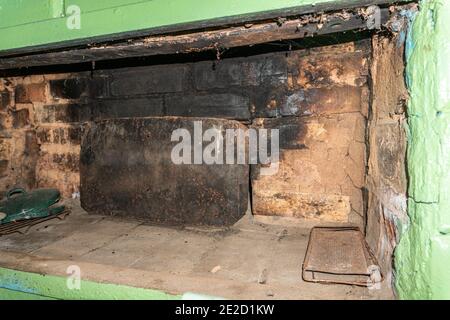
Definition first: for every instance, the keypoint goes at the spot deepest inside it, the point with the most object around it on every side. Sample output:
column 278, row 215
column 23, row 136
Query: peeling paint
column 423, row 255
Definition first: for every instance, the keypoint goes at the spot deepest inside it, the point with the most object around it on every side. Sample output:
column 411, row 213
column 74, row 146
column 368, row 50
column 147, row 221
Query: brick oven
column 318, row 98
column 101, row 133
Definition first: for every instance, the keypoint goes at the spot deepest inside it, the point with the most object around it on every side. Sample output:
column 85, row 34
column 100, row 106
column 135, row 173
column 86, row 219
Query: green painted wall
column 422, row 259
column 31, row 286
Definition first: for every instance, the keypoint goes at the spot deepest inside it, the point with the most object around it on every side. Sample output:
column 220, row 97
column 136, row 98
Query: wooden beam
column 248, row 34
column 220, row 22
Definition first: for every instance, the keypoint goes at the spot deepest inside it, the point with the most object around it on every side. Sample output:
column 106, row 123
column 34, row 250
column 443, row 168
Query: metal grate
column 340, row 255
column 24, row 226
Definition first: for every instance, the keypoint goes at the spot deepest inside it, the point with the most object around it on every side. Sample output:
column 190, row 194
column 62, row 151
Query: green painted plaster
column 6, row 294
column 422, row 258
column 26, row 285
column 28, row 23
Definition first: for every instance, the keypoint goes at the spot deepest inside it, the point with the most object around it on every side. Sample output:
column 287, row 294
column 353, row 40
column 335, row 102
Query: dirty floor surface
column 250, row 260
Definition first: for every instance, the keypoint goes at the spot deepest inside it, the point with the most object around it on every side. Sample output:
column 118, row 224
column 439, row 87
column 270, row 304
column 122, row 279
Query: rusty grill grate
column 340, row 255
column 24, row 226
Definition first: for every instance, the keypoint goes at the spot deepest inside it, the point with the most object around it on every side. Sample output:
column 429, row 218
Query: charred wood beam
column 217, row 23
column 245, row 35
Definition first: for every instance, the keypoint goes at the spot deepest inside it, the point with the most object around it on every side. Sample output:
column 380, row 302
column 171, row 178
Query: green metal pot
column 22, row 205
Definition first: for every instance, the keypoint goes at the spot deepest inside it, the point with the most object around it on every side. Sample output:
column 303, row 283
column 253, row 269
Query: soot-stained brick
column 76, row 88
column 68, row 88
column 74, row 134
column 29, row 93
column 66, row 113
column 30, row 158
column 59, row 136
column 67, row 161
column 43, row 135
column 3, row 167
column 148, row 80
column 5, row 99
column 240, row 72
column 128, row 108
column 221, row 105
column 21, row 118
